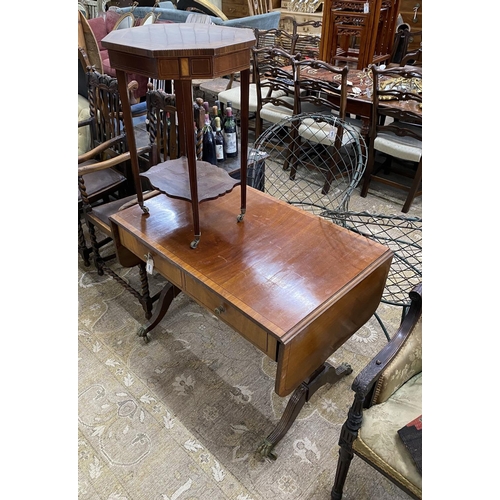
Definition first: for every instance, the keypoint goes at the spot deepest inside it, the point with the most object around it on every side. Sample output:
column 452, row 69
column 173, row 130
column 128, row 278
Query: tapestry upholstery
column 406, row 364
column 378, row 438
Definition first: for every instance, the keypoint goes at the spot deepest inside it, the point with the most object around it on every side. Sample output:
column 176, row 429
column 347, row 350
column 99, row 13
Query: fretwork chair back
column 104, row 127
column 274, row 78
column 403, row 235
column 162, row 126
column 387, row 401
column 313, row 165
column 396, row 131
column 323, row 90
column 105, row 108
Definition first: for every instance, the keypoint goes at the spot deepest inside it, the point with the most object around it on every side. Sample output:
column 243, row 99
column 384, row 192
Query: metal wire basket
column 307, row 165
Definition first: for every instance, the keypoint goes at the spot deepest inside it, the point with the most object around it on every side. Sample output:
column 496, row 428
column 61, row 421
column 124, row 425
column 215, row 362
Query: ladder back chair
column 326, row 95
column 274, row 78
column 396, row 130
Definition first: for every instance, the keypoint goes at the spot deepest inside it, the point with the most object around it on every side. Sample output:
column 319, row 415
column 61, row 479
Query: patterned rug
column 181, row 417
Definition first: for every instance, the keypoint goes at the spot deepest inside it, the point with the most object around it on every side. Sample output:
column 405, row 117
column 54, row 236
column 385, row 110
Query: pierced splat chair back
column 105, row 108
column 162, row 126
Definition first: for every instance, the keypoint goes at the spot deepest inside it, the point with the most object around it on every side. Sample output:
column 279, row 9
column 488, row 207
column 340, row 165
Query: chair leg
column 98, row 262
column 83, row 249
column 146, row 300
column 348, row 435
column 414, row 188
column 368, row 173
column 345, row 458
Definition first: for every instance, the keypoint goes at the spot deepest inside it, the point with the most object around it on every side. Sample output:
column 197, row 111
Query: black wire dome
column 311, row 160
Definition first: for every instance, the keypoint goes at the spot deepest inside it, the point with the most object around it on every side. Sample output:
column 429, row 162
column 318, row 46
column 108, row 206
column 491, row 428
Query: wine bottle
column 208, row 142
column 214, row 115
column 230, row 135
column 219, row 141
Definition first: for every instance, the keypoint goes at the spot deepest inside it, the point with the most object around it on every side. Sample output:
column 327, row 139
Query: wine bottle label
column 219, row 151
column 230, row 139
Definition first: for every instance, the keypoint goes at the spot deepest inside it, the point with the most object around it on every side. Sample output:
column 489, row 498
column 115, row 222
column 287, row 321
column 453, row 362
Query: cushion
column 98, row 26
column 405, row 148
column 378, row 437
column 233, row 95
column 275, row 114
column 324, row 133
column 111, row 19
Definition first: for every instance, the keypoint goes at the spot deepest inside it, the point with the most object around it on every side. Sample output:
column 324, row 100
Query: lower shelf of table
column 172, row 178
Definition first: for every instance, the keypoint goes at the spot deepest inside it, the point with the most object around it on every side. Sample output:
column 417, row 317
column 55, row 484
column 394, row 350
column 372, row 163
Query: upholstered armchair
column 388, row 397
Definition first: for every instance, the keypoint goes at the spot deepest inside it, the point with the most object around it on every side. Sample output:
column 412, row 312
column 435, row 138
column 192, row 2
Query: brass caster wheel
column 240, row 218
column 194, row 243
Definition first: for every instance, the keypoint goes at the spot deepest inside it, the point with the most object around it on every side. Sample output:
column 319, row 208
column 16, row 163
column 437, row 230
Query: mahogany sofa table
column 293, row 284
column 182, row 52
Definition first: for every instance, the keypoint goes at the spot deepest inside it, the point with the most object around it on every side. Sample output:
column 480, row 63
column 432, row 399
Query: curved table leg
column 326, row 374
column 168, row 294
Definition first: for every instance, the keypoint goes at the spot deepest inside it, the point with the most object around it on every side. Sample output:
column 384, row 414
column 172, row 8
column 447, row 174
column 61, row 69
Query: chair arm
column 103, row 165
column 111, row 162
column 87, row 121
column 89, row 155
column 365, row 382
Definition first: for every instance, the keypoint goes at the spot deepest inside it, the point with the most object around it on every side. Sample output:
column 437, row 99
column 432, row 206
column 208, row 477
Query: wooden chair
column 324, row 96
column 256, row 7
column 413, row 58
column 306, row 43
column 273, row 37
column 353, row 34
column 107, row 164
column 274, row 79
column 388, row 396
column 396, row 130
column 162, row 127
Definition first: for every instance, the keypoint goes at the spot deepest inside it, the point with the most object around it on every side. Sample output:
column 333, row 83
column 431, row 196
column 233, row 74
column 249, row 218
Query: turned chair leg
column 83, row 249
column 98, row 263
column 146, row 300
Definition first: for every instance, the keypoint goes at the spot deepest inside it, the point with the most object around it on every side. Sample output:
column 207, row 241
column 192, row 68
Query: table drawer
column 168, row 270
column 231, row 315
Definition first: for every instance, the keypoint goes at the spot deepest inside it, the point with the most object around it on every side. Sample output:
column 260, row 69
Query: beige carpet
column 181, row 417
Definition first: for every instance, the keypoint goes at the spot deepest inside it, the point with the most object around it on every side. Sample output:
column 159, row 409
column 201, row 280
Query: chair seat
column 378, row 437
column 233, row 95
column 99, row 183
column 324, row 132
column 275, row 114
column 406, row 147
